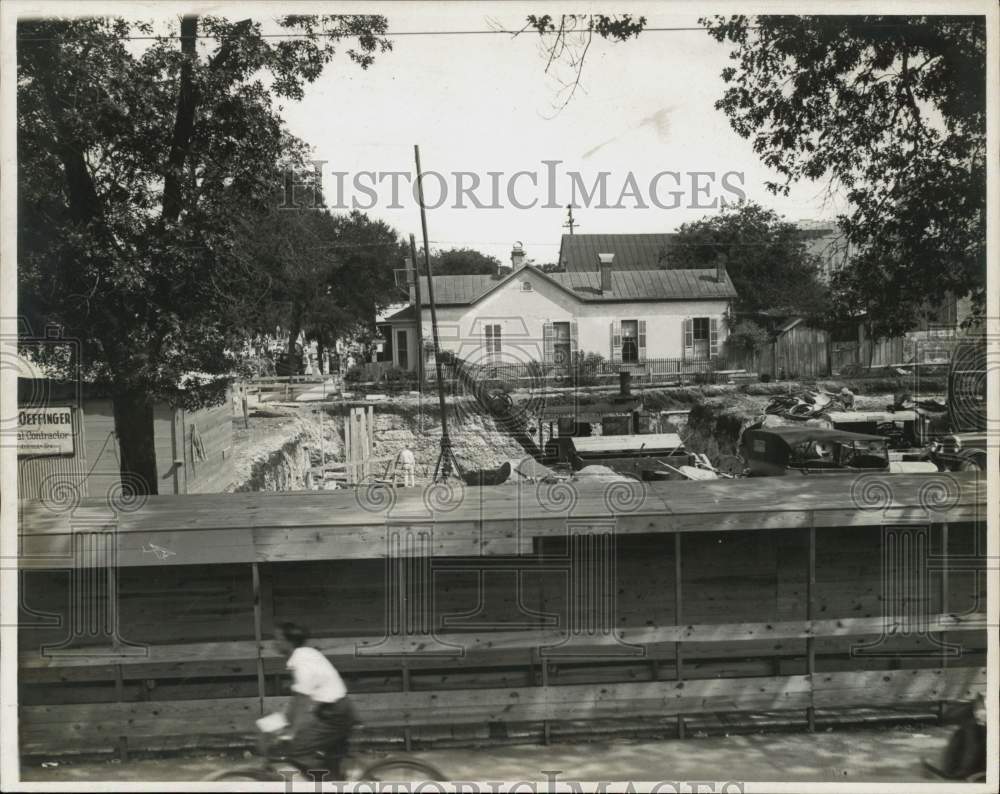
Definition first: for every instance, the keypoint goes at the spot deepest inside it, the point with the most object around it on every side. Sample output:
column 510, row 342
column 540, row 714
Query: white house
column 523, row 314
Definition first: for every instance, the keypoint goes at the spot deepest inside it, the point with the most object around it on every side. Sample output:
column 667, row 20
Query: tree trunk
column 134, row 426
column 295, row 328
column 320, row 350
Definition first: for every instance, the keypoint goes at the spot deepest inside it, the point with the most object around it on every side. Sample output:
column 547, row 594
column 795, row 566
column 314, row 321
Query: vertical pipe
column 810, row 615
column 258, row 633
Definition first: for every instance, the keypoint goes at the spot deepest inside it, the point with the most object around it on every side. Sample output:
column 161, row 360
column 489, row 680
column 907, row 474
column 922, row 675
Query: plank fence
column 448, row 615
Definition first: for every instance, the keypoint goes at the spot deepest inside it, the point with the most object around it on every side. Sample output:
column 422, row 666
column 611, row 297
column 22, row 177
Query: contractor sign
column 45, row 431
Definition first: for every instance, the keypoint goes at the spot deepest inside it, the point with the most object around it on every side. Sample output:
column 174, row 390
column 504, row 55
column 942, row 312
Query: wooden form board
column 650, row 442
column 357, row 524
column 507, row 697
column 98, row 725
column 359, row 442
column 547, row 644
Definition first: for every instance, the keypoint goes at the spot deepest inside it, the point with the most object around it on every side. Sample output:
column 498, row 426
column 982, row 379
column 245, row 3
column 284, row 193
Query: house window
column 561, row 347
column 628, row 341
column 491, row 335
column 559, row 343
column 385, row 334
column 701, row 338
column 525, row 286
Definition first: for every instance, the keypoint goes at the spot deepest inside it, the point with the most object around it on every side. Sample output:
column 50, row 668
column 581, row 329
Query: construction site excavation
column 582, row 572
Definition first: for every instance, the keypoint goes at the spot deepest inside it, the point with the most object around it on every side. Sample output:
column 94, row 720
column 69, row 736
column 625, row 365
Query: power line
column 491, row 32
column 388, row 34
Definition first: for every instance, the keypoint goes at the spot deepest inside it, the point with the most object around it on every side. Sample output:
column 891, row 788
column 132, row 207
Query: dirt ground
column 268, row 453
column 854, row 756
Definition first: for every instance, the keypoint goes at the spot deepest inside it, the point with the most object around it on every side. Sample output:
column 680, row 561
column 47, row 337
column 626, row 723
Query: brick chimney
column 411, row 279
column 606, row 265
column 517, row 256
column 720, row 268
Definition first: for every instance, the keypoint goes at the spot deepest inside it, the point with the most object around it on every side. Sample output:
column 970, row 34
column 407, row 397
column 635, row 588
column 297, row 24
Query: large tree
column 765, row 256
column 136, row 161
column 323, row 275
column 891, row 109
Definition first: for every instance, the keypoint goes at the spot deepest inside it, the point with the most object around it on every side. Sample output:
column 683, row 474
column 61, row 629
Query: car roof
column 795, row 435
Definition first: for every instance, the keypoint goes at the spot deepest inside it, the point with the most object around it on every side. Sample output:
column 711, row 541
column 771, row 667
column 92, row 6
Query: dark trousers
column 320, row 734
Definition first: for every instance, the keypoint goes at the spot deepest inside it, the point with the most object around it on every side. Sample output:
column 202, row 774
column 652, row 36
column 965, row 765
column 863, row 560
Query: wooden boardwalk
column 501, row 520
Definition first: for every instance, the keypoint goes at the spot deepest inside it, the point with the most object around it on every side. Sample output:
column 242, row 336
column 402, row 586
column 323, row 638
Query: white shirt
column 313, row 675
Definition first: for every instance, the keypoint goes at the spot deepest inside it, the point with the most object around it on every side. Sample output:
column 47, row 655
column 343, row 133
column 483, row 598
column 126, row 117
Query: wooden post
column 546, row 727
column 944, row 606
column 678, row 613
column 120, row 696
column 407, row 734
column 810, row 615
column 258, row 633
column 119, row 670
column 177, row 444
column 369, row 438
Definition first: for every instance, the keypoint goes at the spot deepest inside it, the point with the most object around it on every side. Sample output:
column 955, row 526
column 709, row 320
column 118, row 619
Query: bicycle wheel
column 245, row 774
column 403, row 770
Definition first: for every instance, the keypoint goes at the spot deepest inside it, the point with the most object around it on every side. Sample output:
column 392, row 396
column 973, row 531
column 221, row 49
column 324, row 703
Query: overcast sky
column 483, row 103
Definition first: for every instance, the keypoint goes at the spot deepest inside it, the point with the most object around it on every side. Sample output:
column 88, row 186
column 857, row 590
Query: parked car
column 960, row 451
column 777, row 451
column 964, row 446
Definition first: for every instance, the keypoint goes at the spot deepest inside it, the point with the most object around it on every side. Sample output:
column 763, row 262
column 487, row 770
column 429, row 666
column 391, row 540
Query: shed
column 193, row 448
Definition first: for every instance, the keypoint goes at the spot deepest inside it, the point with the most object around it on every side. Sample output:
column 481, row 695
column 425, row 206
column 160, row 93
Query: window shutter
column 688, row 338
column 642, row 340
column 548, row 343
column 496, row 338
column 616, row 340
column 572, row 340
column 713, row 337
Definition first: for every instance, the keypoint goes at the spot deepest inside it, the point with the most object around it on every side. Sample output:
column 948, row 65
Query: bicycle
column 277, row 768
column 274, row 770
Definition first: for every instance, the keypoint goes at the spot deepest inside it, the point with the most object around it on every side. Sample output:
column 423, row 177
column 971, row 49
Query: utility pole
column 570, row 223
column 421, row 375
column 446, row 458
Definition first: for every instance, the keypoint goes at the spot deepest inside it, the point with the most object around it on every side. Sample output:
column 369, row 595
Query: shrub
column 537, row 370
column 586, row 368
column 745, row 338
column 355, row 374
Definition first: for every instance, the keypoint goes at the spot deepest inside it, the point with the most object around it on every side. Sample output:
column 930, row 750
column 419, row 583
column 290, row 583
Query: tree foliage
column 567, row 41
column 746, row 337
column 893, row 110
column 458, row 261
column 322, row 275
column 766, row 258
column 136, row 163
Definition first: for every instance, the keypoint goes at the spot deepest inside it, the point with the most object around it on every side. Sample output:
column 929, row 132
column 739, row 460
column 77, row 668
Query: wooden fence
column 746, row 596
